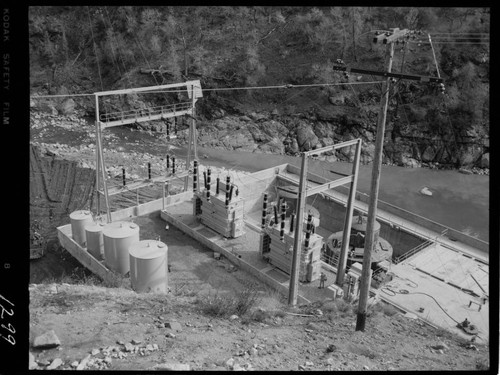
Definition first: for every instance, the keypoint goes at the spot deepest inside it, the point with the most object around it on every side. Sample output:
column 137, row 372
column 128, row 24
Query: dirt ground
column 88, row 317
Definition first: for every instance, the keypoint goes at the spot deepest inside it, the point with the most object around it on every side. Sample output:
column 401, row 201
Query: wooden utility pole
column 386, row 38
column 372, row 207
column 297, row 245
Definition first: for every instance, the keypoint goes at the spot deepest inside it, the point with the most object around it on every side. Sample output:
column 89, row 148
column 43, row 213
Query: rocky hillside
column 245, row 47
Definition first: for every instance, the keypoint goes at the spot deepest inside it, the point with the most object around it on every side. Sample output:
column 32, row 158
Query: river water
column 458, row 200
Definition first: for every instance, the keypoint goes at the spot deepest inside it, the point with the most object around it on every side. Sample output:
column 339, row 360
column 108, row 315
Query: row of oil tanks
column 118, row 245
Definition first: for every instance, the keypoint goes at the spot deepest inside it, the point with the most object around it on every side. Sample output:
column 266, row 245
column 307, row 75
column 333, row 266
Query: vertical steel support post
column 348, row 217
column 97, row 160
column 163, row 196
column 103, row 170
column 372, row 207
column 195, row 147
column 191, row 138
column 301, row 201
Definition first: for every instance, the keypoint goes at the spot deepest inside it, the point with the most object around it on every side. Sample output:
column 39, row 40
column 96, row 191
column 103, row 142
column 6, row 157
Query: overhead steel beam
column 330, row 148
column 149, row 88
column 329, row 185
column 343, row 68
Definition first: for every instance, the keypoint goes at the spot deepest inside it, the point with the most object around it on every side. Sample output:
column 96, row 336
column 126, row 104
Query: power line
column 222, row 89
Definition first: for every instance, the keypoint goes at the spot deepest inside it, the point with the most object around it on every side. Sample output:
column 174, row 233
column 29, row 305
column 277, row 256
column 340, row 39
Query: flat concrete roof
column 444, row 305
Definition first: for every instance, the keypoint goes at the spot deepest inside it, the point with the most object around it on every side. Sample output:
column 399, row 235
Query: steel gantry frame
column 304, row 192
column 193, row 89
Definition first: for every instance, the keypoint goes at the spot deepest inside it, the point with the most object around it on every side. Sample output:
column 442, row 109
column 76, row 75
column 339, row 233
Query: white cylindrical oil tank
column 79, row 219
column 95, row 241
column 149, row 266
column 117, row 238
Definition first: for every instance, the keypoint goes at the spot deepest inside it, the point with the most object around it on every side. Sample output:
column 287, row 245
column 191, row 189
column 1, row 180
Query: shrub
column 215, row 305
column 343, row 306
column 225, row 305
column 246, row 299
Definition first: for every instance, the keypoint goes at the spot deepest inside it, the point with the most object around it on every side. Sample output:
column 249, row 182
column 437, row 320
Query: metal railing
column 331, row 260
column 141, row 113
column 413, row 251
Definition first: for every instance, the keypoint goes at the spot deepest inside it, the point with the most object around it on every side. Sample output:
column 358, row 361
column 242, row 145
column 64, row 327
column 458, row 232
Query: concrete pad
column 453, row 267
column 444, row 305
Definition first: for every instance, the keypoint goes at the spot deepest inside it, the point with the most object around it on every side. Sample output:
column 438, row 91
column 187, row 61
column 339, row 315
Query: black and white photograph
column 250, row 188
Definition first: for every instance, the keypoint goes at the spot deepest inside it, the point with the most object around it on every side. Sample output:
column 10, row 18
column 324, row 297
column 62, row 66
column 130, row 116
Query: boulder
column 55, row 364
column 324, row 129
column 257, row 116
column 230, row 363
column 337, row 99
column 176, row 326
column 46, row 341
column 470, row 154
column 306, row 138
column 429, row 154
column 367, row 153
column 62, row 90
column 67, row 107
column 425, row 191
column 275, row 146
column 327, row 141
column 83, row 363
column 48, row 108
column 409, row 162
column 172, row 367
column 293, row 147
column 32, row 363
column 485, row 160
column 439, row 346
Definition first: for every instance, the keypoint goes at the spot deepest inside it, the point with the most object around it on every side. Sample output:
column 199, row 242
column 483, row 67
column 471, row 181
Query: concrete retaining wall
column 152, row 206
column 401, row 241
column 253, row 188
column 422, row 221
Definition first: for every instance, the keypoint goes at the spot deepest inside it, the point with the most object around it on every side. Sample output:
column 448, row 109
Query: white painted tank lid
column 147, row 249
column 120, row 229
column 80, row 215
